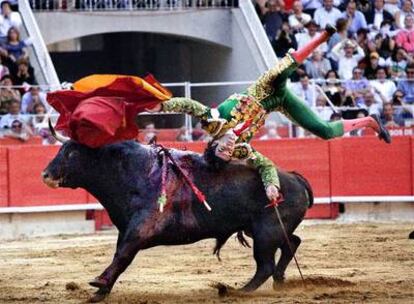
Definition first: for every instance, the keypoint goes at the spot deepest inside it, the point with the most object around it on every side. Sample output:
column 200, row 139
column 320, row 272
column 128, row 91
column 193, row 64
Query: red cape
column 102, row 108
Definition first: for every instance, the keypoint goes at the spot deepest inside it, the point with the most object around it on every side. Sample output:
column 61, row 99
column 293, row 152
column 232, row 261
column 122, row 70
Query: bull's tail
column 307, row 186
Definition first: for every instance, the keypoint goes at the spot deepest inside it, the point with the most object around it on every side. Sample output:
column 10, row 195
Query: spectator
column 4, row 70
column 23, row 75
column 149, row 133
column 298, row 19
column 284, row 41
column 339, row 36
column 13, row 115
column 391, row 119
column 406, row 9
column 317, row 66
column 271, row 133
column 310, row 6
column 377, row 15
column 397, row 63
column 333, row 88
column 305, row 90
column 14, row 47
column 199, row 134
column 304, row 38
column 32, row 98
column 383, row 42
column 36, row 122
column 405, row 37
column 370, row 105
column 7, row 94
column 343, row 53
column 321, row 109
column 399, row 106
column 356, row 19
column 273, row 18
column 372, row 66
column 328, row 14
column 358, row 86
column 183, row 135
column 19, row 130
column 383, row 87
column 406, row 86
column 392, row 6
column 8, row 19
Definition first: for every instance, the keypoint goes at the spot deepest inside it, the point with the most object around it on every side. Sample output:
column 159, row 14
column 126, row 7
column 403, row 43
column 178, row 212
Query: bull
column 125, row 178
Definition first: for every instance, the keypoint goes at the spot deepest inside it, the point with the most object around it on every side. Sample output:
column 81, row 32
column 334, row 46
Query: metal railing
column 128, row 5
column 189, row 87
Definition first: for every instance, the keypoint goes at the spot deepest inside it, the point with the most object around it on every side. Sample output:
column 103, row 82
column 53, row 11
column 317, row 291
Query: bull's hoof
column 99, row 283
column 98, row 296
column 277, row 283
column 223, row 290
column 411, row 235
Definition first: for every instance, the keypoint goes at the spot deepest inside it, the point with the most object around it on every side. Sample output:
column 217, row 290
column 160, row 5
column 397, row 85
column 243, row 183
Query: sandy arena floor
column 370, row 263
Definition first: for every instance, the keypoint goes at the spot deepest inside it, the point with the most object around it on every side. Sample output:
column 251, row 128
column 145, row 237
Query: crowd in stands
column 22, row 103
column 368, row 65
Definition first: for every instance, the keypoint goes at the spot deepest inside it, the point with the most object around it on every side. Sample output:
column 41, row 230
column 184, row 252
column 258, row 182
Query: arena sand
column 342, row 263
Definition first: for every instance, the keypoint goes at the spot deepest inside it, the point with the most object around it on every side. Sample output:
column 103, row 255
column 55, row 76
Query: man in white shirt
column 305, row 90
column 343, row 53
column 13, row 115
column 328, row 14
column 384, row 88
column 303, row 38
column 370, row 105
column 8, row 19
column 298, row 19
column 31, row 98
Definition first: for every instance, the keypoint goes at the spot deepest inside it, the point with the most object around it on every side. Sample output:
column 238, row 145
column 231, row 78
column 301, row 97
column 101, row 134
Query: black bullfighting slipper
column 330, row 29
column 383, row 132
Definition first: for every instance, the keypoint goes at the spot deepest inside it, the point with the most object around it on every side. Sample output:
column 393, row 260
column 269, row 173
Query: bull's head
column 65, row 170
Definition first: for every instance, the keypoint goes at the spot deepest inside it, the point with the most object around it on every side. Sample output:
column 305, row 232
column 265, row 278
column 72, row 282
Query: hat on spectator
column 374, row 55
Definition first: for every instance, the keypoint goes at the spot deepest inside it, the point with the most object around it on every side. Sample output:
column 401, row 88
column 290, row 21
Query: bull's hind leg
column 285, row 258
column 264, row 249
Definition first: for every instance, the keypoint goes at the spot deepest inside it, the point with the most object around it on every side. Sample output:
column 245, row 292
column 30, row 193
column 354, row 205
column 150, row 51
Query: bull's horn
column 57, row 136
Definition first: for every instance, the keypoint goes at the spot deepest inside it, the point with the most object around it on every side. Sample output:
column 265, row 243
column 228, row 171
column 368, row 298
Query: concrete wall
column 21, row 225
column 193, row 45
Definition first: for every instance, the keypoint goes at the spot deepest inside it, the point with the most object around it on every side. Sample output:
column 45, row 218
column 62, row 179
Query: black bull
column 126, row 177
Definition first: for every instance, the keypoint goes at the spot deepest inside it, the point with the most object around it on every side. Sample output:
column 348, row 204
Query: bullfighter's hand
column 272, row 192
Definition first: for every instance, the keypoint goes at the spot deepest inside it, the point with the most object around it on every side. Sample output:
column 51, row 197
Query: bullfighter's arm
column 267, row 169
column 187, row 106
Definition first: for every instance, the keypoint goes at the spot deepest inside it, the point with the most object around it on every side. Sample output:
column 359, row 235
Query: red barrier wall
column 371, row 167
column 4, row 178
column 341, row 167
column 25, row 185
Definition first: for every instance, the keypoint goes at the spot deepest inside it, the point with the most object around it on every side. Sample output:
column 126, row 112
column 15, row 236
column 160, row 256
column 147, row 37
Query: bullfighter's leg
column 285, row 258
column 264, row 249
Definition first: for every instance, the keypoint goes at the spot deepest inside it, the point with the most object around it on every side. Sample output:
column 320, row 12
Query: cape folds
column 101, row 109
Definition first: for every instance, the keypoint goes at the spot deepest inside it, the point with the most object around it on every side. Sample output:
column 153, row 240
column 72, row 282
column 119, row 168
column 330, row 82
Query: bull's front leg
column 127, row 248
column 138, row 235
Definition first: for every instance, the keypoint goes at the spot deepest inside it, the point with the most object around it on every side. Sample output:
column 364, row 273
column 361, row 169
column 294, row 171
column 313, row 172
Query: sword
column 331, row 105
column 275, row 204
